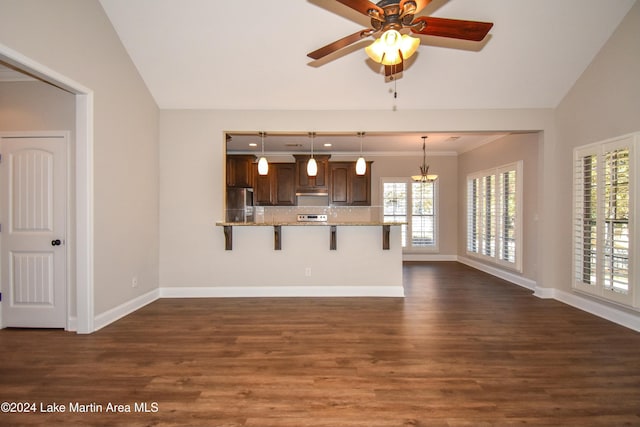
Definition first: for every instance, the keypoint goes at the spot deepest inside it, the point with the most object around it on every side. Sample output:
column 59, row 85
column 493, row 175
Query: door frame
column 69, row 243
column 84, row 184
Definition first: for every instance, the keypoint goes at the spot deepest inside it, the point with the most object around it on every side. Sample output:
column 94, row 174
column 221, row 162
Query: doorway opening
column 83, row 161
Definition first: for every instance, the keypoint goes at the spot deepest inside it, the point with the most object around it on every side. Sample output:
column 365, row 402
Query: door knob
column 56, row 242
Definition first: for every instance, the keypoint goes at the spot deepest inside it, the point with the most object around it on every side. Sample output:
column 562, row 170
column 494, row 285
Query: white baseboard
column 428, row 257
column 72, row 324
column 110, row 316
column 597, row 308
column 281, row 291
column 613, row 314
column 498, row 272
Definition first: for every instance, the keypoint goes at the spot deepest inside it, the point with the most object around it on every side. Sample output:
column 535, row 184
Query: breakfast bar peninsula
column 315, row 252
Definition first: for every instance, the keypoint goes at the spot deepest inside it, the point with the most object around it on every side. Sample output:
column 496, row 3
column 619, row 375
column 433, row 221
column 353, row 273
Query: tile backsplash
column 274, row 214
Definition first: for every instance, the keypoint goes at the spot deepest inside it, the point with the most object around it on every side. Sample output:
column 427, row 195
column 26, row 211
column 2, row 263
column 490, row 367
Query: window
column 604, row 193
column 493, row 215
column 413, row 203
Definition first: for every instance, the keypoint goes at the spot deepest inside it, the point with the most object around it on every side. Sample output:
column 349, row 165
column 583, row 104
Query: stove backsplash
column 269, row 214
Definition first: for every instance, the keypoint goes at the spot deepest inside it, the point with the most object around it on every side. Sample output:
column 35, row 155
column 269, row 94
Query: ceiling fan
column 391, row 17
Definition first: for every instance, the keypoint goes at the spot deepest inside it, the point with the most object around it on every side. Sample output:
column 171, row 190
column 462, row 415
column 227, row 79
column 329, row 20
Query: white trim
column 72, row 324
column 281, row 291
column 612, row 314
column 500, row 273
column 84, row 213
column 84, row 179
column 497, row 172
column 607, row 312
column 544, row 293
column 116, row 313
column 630, row 142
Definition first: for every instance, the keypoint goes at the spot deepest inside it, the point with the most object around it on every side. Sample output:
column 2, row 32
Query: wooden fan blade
column 365, row 7
column 420, row 4
column 452, row 28
column 339, row 44
column 390, row 70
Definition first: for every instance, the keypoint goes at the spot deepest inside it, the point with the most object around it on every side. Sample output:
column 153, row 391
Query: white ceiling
column 377, row 143
column 251, row 54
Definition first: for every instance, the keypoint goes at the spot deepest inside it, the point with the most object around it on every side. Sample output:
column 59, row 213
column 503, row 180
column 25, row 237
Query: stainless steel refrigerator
column 239, row 204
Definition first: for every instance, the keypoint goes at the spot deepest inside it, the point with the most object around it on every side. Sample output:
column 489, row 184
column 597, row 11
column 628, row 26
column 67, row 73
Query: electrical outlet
column 307, row 272
column 134, row 282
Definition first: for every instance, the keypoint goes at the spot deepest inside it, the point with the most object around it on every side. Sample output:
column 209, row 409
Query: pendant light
column 263, row 165
column 312, row 165
column 424, row 169
column 361, row 164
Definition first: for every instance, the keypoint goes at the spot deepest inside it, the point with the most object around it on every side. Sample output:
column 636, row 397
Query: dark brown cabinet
column 312, row 184
column 277, row 188
column 346, row 188
column 240, row 170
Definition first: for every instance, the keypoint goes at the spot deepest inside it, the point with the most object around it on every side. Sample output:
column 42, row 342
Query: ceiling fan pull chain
column 395, row 88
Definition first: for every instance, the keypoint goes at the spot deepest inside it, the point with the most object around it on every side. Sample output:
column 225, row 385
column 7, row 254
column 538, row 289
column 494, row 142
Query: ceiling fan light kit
column 392, row 48
column 389, row 18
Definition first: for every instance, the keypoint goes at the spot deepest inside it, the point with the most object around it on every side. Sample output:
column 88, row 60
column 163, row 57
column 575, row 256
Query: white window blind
column 494, row 215
column 603, row 219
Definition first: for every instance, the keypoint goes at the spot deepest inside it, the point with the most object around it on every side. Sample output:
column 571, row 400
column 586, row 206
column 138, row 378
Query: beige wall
column 604, row 103
column 446, row 168
column 34, row 105
column 192, row 175
column 509, row 149
column 75, row 39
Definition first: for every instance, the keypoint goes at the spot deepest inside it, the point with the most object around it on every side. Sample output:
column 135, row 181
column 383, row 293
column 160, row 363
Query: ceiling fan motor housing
column 395, row 16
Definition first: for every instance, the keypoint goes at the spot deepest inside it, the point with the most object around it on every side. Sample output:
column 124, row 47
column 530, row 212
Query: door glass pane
column 422, row 214
column 395, row 205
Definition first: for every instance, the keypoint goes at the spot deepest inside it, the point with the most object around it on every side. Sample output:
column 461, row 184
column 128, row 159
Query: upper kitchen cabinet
column 277, row 188
column 312, row 184
column 240, row 170
column 346, row 188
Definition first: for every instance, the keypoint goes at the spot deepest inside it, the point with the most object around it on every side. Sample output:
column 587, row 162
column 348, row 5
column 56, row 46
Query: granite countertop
column 296, row 223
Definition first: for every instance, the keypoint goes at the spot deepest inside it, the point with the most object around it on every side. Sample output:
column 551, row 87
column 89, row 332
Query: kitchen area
column 318, row 224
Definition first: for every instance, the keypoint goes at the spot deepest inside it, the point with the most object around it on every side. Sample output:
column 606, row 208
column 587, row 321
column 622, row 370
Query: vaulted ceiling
column 251, row 54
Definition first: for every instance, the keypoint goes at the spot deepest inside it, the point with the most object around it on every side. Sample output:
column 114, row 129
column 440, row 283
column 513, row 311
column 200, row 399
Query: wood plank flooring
column 462, row 349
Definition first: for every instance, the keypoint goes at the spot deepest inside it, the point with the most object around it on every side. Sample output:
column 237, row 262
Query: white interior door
column 33, row 183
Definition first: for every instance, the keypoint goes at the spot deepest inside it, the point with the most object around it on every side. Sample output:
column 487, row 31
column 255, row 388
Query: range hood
column 312, row 199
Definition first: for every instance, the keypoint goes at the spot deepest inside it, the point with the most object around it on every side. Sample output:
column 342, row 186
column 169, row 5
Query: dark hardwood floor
column 462, row 349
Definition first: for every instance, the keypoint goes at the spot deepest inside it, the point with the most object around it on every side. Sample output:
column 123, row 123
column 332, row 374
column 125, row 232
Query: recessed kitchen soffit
column 374, row 143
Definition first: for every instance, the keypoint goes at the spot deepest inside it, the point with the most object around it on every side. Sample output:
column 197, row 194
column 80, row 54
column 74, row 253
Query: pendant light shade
column 361, row 164
column 263, row 165
column 312, row 165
